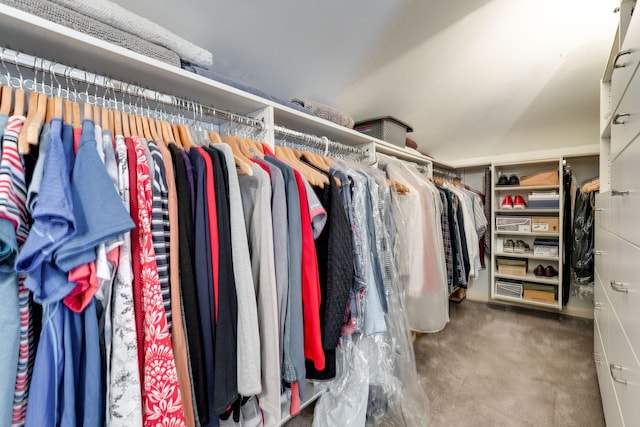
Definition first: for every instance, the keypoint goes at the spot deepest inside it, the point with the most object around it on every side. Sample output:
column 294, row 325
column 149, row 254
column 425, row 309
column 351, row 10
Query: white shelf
column 314, row 391
column 527, row 211
column 526, row 256
column 523, row 233
column 530, row 277
column 526, row 301
column 502, row 188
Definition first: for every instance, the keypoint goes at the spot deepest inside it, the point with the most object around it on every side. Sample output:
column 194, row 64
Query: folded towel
column 116, row 16
column 76, row 21
column 210, row 74
column 326, row 112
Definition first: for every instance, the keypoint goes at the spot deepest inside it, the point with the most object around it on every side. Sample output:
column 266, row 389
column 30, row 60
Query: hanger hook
column 15, row 59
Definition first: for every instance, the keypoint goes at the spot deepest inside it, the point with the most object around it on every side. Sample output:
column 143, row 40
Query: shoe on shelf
column 503, row 180
column 550, row 271
column 508, row 245
column 539, row 271
column 513, row 180
column 251, row 413
column 521, row 247
column 507, row 202
column 518, row 202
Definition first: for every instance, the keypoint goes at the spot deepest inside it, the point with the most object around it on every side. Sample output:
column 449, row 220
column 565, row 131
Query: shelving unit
column 521, row 169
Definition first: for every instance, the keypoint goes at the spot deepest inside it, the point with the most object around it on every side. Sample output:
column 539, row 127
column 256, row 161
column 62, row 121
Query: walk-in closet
column 322, row 214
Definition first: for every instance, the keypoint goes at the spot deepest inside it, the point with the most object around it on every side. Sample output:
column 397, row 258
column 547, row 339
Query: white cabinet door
column 625, row 193
column 626, row 61
column 601, row 310
column 625, row 124
column 612, row 414
column 625, row 373
column 603, row 210
column 624, row 290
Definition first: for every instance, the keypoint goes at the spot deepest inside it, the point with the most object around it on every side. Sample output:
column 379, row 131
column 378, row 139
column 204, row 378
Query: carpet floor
column 502, row 366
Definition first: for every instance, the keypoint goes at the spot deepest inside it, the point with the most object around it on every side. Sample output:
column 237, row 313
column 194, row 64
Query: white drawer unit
column 626, row 61
column 623, row 288
column 625, row 373
column 603, row 210
column 625, row 193
column 612, row 412
column 625, row 125
column 616, row 299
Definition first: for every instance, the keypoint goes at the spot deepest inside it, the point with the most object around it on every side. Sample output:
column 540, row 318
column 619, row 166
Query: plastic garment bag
column 582, row 265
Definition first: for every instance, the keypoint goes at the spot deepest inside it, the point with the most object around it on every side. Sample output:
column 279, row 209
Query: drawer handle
column 621, row 53
column 598, row 252
column 598, row 209
column 619, row 287
column 596, row 358
column 619, row 193
column 617, row 368
column 597, row 305
column 617, row 117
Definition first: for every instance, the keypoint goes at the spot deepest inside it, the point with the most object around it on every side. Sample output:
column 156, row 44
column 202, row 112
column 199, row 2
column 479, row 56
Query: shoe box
column 539, row 292
column 545, row 247
column 521, row 224
column 545, row 224
column 512, row 267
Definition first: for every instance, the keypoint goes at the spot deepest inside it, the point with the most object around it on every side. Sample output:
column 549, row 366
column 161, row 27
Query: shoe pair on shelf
column 513, row 202
column 540, row 271
column 513, row 180
column 519, row 246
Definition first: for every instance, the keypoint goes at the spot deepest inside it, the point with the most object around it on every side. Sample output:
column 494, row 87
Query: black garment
column 204, row 273
column 566, row 236
column 335, row 265
column 463, row 242
column 582, row 241
column 188, row 287
column 226, row 381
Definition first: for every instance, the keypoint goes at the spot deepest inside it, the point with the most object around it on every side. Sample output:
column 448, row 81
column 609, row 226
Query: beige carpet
column 499, row 366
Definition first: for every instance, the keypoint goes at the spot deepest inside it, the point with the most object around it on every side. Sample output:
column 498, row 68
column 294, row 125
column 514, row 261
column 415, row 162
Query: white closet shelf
column 36, row 36
column 526, row 256
column 503, row 188
column 527, row 211
column 526, row 301
column 523, row 233
column 530, row 277
column 314, row 391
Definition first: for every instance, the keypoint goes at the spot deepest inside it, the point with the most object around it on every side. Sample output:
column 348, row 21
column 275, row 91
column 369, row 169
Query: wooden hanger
column 214, row 137
column 97, row 116
column 242, row 162
column 104, row 119
column 87, row 112
column 153, row 128
column 51, row 102
column 18, row 107
column 57, row 107
column 185, row 137
column 23, row 141
column 176, row 135
column 126, row 129
column 77, row 118
column 33, row 132
column 5, row 100
column 133, row 126
column 145, row 129
column 286, row 155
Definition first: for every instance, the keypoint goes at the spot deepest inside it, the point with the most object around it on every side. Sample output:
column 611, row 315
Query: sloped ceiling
column 475, row 78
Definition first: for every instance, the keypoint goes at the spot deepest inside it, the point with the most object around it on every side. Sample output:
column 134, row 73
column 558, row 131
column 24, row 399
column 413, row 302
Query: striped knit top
column 13, row 188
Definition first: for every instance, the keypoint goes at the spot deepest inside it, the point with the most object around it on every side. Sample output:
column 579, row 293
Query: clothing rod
column 322, row 142
column 11, row 58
